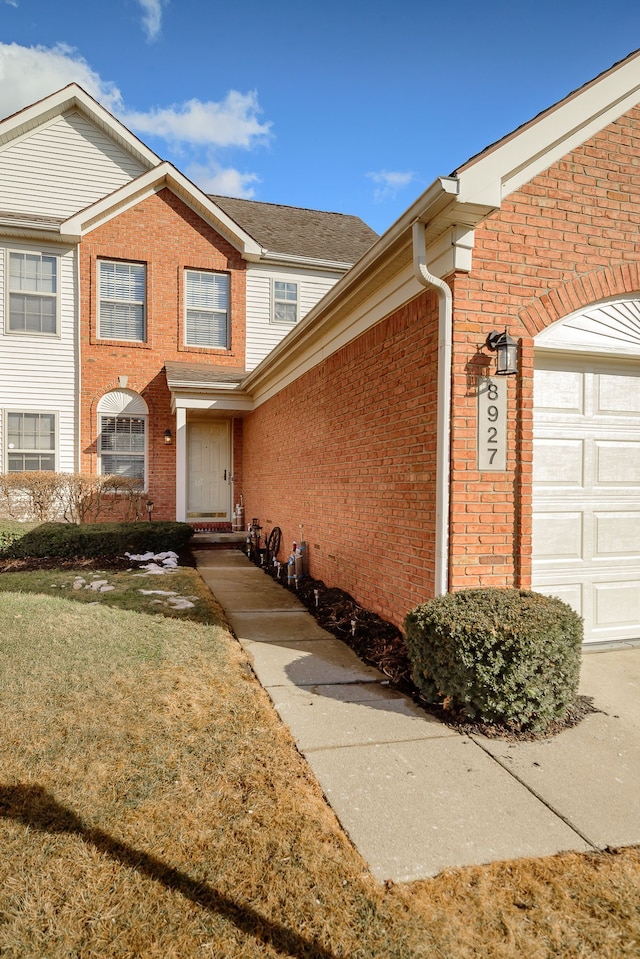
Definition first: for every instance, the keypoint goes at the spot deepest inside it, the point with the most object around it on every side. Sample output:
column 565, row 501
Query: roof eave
column 307, row 262
column 505, row 166
column 161, row 176
column 63, row 101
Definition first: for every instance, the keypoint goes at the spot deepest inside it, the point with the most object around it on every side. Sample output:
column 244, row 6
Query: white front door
column 586, row 492
column 208, row 470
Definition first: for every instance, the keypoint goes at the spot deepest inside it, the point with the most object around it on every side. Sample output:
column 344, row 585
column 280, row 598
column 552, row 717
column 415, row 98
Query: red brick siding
column 168, row 237
column 564, row 240
column 348, row 452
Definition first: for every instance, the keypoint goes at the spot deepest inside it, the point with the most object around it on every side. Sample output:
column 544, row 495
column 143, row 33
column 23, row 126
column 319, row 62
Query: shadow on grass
column 37, row 808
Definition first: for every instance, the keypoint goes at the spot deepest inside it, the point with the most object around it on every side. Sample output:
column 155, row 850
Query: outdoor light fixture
column 149, row 508
column 167, row 437
column 506, row 350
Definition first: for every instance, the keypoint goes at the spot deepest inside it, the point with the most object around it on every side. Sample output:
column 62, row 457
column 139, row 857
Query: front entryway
column 208, row 470
column 586, row 492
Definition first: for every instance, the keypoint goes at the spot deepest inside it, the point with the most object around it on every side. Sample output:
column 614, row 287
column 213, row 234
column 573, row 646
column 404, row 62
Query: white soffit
column 501, row 169
column 611, row 327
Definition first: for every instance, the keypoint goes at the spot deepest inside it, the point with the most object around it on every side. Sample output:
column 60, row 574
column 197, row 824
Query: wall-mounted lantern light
column 168, row 439
column 506, row 350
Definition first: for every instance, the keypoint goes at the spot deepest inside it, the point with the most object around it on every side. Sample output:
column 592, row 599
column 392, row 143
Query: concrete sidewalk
column 414, row 796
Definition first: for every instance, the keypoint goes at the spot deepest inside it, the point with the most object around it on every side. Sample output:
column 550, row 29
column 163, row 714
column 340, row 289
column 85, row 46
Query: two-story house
column 133, row 303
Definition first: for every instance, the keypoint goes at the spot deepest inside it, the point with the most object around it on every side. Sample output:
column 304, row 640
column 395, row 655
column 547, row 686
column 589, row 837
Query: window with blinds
column 285, row 302
column 31, row 442
column 207, row 309
column 122, row 446
column 33, row 293
column 122, row 296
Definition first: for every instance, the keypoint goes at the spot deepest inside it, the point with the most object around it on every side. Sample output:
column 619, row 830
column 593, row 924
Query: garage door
column 586, row 493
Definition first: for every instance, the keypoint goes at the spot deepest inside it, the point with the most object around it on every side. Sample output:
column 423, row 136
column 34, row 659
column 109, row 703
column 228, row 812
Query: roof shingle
column 295, row 231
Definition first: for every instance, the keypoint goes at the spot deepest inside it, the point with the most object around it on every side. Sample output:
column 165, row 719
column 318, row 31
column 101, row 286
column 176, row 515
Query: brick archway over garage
column 576, row 294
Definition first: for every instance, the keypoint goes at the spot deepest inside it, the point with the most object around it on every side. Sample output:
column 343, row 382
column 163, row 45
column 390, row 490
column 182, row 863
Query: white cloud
column 195, row 130
column 213, row 178
column 152, row 17
column 28, row 74
column 389, row 183
column 232, row 122
column 11, row 3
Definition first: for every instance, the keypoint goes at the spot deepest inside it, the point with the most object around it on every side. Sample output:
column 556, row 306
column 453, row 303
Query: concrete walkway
column 414, row 796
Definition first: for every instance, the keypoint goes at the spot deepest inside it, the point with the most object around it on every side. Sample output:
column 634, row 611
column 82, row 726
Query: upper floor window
column 31, row 441
column 33, row 293
column 207, row 309
column 122, row 296
column 285, row 302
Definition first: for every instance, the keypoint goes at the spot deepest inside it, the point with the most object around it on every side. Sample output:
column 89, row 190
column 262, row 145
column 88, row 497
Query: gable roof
column 73, row 97
column 162, row 175
column 300, row 233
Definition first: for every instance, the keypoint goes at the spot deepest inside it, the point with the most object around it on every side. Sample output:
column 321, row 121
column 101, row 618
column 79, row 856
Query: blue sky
column 345, row 106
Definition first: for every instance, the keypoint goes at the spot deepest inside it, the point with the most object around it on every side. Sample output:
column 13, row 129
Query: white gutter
column 443, row 429
column 310, row 262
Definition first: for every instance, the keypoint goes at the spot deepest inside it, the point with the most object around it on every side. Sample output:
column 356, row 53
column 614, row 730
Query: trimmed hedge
column 504, row 656
column 91, row 540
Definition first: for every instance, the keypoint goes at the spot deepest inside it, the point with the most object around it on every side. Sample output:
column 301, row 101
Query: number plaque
column 492, row 424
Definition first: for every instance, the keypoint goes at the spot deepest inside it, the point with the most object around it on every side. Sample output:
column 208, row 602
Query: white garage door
column 586, row 492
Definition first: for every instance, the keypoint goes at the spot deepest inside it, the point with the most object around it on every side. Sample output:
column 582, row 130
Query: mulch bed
column 381, row 644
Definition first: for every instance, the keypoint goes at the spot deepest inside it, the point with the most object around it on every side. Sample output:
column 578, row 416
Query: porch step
column 217, row 540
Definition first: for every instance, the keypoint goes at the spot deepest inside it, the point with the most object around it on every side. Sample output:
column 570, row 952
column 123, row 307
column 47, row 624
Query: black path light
column 506, row 350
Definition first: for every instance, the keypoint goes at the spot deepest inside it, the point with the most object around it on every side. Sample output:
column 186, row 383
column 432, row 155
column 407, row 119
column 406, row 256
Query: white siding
column 262, row 334
column 61, row 168
column 37, row 373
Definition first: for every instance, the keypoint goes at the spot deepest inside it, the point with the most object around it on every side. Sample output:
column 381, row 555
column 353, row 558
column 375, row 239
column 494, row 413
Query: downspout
column 443, row 427
column 78, row 364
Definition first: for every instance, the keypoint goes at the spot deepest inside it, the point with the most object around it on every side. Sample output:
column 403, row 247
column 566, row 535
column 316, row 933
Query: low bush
column 91, row 540
column 504, row 656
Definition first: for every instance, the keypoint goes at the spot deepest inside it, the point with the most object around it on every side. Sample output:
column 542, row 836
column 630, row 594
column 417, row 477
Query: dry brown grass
column 153, row 805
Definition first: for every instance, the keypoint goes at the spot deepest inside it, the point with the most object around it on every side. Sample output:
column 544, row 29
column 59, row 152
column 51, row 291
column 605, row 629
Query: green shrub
column 503, row 656
column 89, row 540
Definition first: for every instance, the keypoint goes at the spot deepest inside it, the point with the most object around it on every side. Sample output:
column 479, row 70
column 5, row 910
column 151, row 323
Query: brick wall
column 563, row 241
column 168, row 237
column 348, row 454
column 349, row 449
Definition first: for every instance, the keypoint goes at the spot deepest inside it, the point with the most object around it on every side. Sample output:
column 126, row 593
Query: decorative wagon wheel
column 273, row 545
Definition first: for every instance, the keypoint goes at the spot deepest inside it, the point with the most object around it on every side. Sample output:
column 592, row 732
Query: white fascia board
column 161, row 176
column 528, row 151
column 202, row 401
column 320, row 344
column 438, row 196
column 345, row 313
column 304, row 262
column 73, row 97
column 190, row 385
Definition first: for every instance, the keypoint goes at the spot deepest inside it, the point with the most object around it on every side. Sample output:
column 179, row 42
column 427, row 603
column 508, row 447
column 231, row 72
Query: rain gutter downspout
column 443, row 428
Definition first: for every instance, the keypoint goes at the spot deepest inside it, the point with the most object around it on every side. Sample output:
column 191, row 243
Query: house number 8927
column 492, row 424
